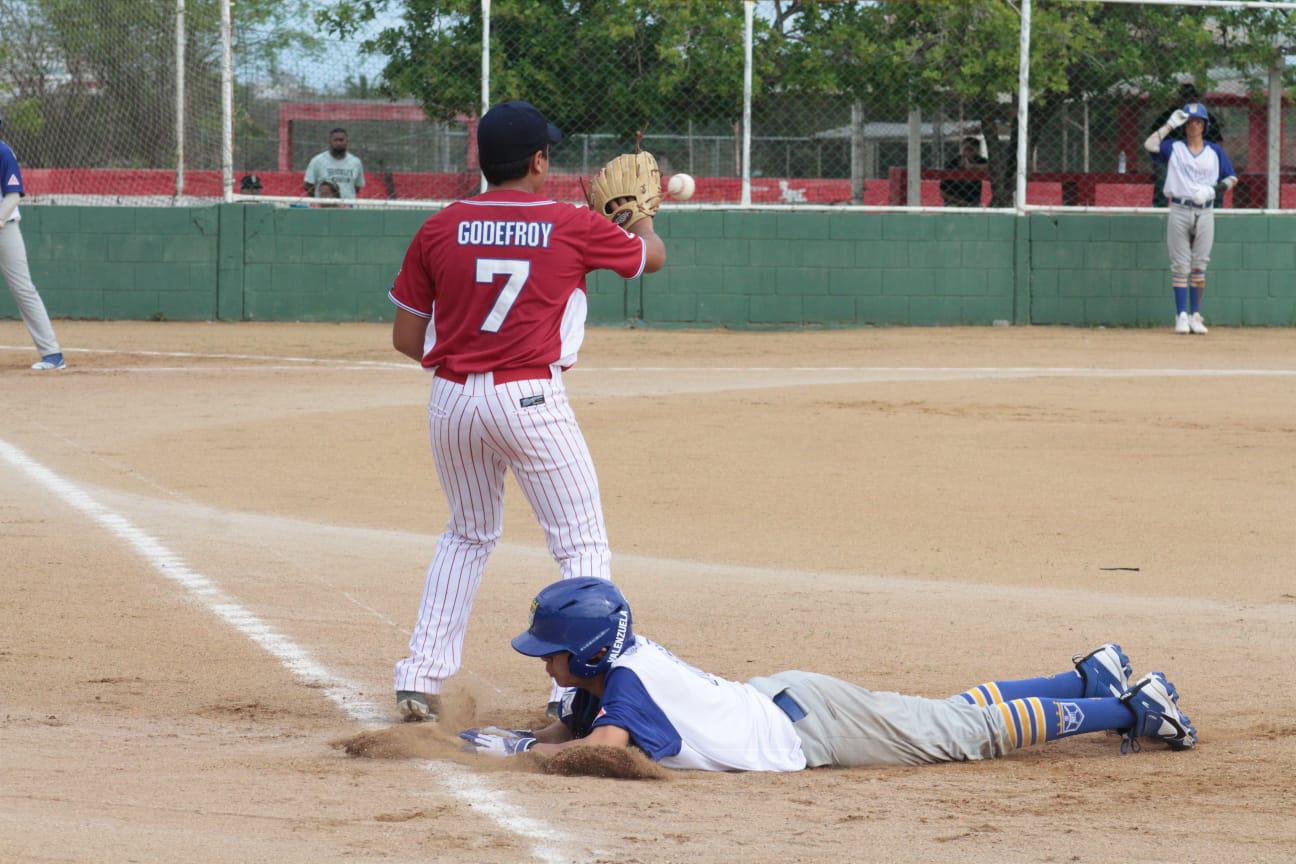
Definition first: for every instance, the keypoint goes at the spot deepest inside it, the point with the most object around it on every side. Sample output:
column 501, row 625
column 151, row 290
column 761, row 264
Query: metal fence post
column 1273, row 185
column 485, row 69
column 858, row 151
column 749, row 9
column 180, row 98
column 913, row 160
column 227, row 102
column 1023, row 107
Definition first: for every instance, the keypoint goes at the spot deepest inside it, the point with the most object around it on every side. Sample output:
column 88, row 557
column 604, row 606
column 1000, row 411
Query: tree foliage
column 594, row 65
column 92, row 82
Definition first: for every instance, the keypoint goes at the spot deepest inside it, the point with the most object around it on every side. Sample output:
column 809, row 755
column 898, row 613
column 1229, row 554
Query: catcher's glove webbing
column 631, row 175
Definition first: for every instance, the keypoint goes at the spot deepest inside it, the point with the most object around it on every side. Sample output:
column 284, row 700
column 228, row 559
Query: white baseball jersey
column 683, row 717
column 1187, row 172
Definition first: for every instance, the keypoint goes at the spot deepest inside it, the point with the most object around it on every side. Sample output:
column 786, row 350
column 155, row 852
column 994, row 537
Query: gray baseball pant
column 1190, row 233
column 847, row 726
column 13, row 263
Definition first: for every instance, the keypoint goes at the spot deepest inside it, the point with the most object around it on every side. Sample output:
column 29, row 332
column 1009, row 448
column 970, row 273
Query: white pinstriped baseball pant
column 479, row 431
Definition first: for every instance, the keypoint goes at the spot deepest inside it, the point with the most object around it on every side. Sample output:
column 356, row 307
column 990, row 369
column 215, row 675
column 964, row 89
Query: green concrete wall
column 832, row 269
column 1094, row 269
column 726, row 268
column 122, row 262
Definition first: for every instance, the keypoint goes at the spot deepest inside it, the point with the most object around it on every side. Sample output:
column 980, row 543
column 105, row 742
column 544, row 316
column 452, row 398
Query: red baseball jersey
column 501, row 277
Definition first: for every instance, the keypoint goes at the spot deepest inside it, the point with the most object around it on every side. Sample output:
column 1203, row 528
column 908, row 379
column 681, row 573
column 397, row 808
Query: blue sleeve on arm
column 627, row 704
column 1226, row 166
column 10, row 174
column 580, row 720
column 1163, row 155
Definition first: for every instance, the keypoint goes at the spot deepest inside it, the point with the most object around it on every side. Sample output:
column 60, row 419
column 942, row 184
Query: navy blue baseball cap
column 512, row 131
column 1196, row 109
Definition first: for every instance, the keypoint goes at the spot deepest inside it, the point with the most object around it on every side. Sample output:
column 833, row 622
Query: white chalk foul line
column 905, row 372
column 260, row 358
column 348, row 696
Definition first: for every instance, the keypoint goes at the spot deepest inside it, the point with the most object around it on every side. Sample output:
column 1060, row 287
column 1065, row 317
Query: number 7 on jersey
column 517, row 272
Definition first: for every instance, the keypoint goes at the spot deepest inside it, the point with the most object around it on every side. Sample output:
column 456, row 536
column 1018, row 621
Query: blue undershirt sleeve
column 626, row 704
column 1226, row 165
column 10, row 173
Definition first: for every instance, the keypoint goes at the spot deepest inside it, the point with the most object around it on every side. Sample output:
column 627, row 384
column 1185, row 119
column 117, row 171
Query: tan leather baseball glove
column 631, row 176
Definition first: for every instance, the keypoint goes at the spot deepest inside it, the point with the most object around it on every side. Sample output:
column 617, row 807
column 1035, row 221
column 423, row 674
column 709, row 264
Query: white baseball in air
column 681, row 187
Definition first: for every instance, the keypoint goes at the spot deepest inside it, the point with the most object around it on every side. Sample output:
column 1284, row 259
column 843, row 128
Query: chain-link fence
column 885, row 103
column 1107, row 75
column 303, row 74
column 90, row 92
column 867, row 103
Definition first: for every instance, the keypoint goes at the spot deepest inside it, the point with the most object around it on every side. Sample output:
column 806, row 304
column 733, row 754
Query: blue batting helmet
column 581, row 616
column 1197, row 110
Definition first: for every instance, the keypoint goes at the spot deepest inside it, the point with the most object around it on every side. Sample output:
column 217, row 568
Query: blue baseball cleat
column 1105, row 671
column 50, row 361
column 1155, row 703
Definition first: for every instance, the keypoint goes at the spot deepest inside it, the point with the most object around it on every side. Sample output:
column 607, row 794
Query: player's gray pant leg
column 848, row 726
column 13, row 263
column 1203, row 240
column 1179, row 239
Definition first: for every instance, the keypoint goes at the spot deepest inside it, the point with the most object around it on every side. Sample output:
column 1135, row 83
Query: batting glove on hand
column 1177, row 119
column 1202, row 194
column 497, row 742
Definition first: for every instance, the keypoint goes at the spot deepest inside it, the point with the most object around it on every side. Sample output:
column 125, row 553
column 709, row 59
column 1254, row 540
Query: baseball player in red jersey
column 491, row 296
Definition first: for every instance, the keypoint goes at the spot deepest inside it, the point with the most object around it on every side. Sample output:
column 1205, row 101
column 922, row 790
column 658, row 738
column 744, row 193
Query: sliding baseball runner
column 491, row 297
column 1195, row 169
column 633, row 691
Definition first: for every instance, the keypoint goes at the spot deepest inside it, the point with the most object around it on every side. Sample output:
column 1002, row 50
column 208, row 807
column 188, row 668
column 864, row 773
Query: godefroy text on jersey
column 501, row 232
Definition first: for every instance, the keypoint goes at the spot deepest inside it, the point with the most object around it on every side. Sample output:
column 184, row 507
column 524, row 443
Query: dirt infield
column 917, row 509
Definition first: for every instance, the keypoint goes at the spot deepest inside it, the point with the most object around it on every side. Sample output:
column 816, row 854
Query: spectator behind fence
column 250, row 185
column 965, row 193
column 344, row 170
column 1213, row 135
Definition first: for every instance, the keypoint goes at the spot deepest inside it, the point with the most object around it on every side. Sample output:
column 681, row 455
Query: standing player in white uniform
column 13, row 262
column 492, row 297
column 634, row 691
column 1194, row 169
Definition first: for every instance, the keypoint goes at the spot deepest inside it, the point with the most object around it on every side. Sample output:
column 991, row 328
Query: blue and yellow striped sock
column 1065, row 685
column 1037, row 719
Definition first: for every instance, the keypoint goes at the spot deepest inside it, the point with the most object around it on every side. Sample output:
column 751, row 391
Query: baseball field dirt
column 213, row 540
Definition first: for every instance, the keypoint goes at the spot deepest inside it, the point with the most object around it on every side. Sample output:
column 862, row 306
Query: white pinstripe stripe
column 541, row 477
column 477, row 434
column 586, row 473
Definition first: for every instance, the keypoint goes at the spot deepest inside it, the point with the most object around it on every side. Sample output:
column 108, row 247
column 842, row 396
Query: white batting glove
column 1177, row 119
column 1202, row 194
column 497, row 742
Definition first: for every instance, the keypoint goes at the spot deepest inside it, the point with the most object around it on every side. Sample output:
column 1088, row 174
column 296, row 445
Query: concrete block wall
column 122, row 262
column 322, row 265
column 726, row 268
column 776, row 270
column 338, row 265
column 1109, row 269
